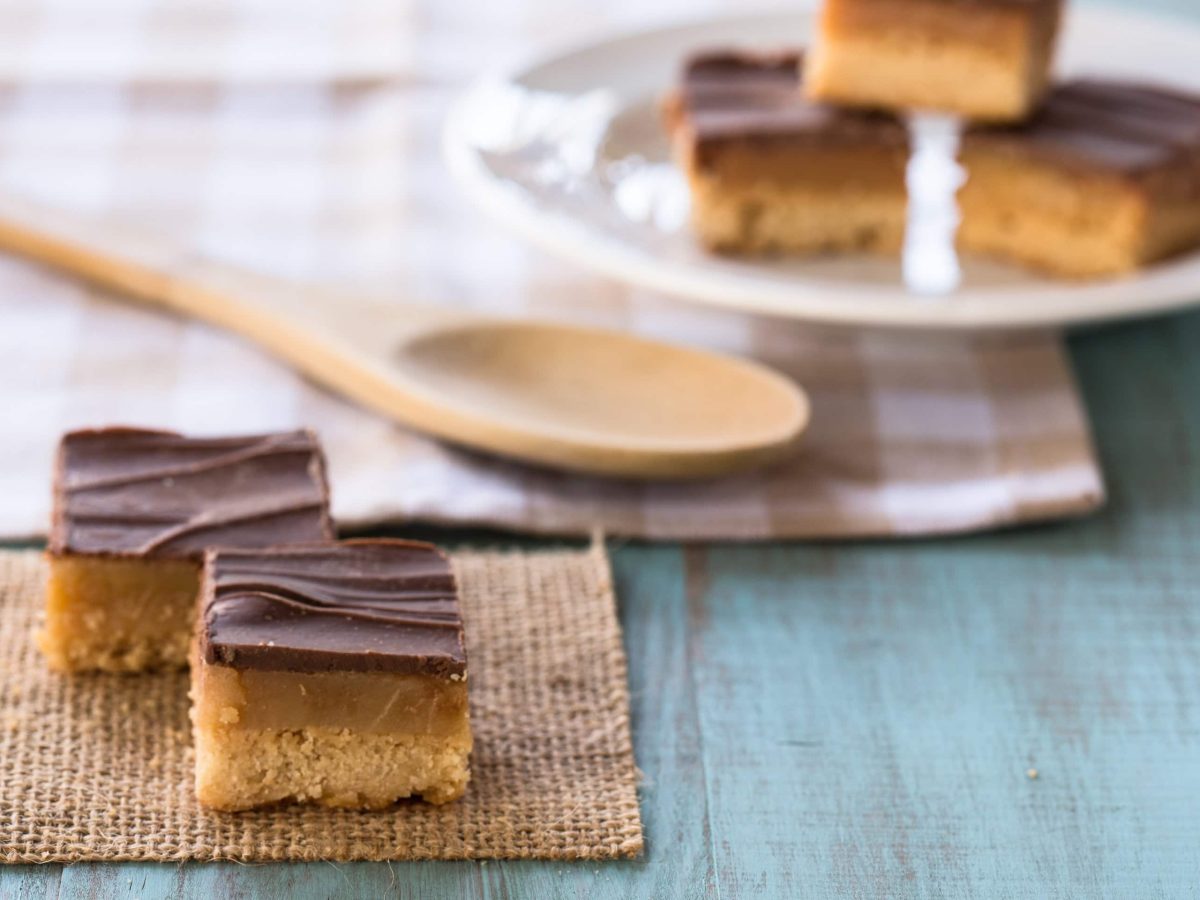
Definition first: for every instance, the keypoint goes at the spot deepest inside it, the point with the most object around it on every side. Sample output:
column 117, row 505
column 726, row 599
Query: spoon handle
column 141, row 266
column 345, row 343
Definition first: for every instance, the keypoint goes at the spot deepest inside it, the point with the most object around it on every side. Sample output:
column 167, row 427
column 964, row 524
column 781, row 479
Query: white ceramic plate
column 570, row 153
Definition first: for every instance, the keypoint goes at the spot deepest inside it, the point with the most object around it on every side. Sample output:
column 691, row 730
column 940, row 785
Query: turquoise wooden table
column 866, row 720
column 1014, row 715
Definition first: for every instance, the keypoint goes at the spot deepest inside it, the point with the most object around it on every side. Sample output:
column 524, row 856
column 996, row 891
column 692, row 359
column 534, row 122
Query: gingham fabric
column 301, row 140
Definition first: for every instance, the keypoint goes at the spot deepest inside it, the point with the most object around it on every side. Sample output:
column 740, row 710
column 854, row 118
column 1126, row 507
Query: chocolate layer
column 731, row 95
column 131, row 492
column 1114, row 125
column 363, row 605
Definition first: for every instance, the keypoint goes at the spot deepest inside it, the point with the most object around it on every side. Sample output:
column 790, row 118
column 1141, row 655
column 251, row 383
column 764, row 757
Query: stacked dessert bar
column 321, row 671
column 792, row 153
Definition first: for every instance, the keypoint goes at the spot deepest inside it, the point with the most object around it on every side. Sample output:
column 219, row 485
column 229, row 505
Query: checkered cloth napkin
column 300, row 139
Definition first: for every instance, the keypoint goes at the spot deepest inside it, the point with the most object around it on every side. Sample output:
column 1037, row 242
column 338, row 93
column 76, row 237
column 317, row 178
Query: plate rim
column 872, row 307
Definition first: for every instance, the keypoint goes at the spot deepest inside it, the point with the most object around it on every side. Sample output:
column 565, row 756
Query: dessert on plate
column 981, row 59
column 1099, row 178
column 333, row 674
column 1103, row 179
column 771, row 171
column 134, row 511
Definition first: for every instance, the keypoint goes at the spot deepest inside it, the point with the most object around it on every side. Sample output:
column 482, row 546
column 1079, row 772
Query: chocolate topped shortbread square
column 1103, row 178
column 982, row 59
column 333, row 674
column 773, row 172
column 134, row 511
column 132, row 492
column 370, row 606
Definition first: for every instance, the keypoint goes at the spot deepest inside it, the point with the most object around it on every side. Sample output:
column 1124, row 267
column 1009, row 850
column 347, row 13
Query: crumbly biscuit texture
column 241, row 769
column 117, row 615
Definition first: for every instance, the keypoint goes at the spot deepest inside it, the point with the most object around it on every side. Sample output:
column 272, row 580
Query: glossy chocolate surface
column 364, row 605
column 732, row 95
column 131, row 492
column 1128, row 127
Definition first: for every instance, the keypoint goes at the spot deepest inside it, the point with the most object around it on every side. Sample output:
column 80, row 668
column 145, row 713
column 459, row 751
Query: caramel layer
column 369, row 703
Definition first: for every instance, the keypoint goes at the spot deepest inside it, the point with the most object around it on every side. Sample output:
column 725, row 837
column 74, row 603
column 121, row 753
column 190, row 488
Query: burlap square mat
column 99, row 767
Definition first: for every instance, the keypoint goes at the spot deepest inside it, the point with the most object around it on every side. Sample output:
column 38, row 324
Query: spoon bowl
column 604, row 401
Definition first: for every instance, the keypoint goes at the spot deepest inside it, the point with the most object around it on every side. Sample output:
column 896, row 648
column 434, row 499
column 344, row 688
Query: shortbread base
column 336, row 738
column 117, row 614
column 1067, row 221
column 800, row 201
column 984, row 61
column 240, row 769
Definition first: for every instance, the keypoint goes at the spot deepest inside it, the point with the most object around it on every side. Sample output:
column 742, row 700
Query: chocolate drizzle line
column 257, row 448
column 406, row 607
column 367, row 605
column 231, row 514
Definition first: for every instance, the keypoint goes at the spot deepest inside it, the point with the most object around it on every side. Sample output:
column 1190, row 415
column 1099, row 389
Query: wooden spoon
column 582, row 399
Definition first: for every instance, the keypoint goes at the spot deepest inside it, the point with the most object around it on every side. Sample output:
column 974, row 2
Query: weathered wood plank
column 869, row 713
column 302, row 880
column 29, row 882
column 678, row 862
